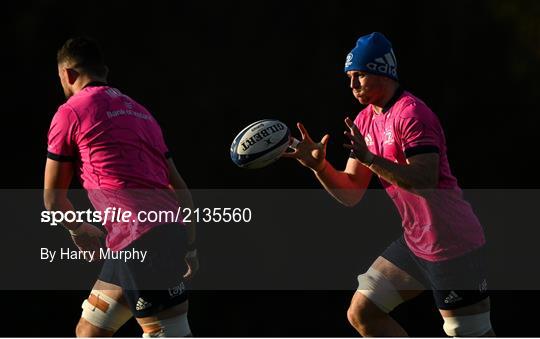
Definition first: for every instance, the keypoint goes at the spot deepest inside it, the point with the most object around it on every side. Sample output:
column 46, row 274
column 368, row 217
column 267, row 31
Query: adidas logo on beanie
column 373, row 54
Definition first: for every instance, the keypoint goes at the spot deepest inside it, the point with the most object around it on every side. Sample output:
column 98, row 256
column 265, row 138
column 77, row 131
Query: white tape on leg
column 475, row 325
column 104, row 312
column 377, row 288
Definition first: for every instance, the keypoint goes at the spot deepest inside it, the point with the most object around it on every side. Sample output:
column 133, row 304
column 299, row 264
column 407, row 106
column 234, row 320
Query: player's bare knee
column 362, row 312
column 85, row 330
column 169, row 323
column 352, row 317
column 80, row 330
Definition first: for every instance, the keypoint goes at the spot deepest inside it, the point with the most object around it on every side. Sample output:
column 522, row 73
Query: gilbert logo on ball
column 260, row 144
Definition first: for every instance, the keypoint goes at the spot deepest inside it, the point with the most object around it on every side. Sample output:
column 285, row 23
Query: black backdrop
column 206, row 69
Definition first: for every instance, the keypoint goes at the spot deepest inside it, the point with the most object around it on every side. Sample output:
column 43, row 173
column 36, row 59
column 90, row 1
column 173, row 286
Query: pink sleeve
column 420, row 130
column 61, row 144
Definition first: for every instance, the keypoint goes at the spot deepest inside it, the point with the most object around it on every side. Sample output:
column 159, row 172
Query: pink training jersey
column 119, row 154
column 439, row 224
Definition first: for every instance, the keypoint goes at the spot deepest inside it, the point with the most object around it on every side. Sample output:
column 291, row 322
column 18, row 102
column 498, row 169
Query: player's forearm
column 409, row 177
column 183, row 194
column 339, row 185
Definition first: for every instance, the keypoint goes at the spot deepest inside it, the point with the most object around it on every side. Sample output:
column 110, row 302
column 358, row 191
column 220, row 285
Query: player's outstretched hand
column 192, row 261
column 358, row 144
column 309, row 153
column 87, row 238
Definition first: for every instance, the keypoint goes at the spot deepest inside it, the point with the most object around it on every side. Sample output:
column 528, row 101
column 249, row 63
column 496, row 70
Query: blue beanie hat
column 373, row 54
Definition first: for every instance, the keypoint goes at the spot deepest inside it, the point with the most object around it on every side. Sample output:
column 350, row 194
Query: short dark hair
column 84, row 54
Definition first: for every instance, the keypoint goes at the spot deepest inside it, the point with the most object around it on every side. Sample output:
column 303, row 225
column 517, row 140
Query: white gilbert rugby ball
column 260, row 144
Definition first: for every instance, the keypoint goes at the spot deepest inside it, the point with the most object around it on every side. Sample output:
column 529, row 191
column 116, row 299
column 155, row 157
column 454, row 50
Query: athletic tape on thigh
column 104, row 312
column 377, row 288
column 177, row 326
column 474, row 325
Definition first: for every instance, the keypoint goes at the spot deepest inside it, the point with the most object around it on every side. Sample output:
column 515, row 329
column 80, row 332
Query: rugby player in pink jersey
column 399, row 139
column 116, row 148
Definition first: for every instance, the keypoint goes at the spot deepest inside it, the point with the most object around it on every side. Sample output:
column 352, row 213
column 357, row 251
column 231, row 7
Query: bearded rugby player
column 116, row 149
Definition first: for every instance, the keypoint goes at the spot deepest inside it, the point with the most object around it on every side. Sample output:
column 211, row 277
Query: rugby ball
column 260, row 144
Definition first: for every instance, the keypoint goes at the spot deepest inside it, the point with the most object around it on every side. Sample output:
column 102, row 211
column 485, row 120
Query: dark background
column 207, row 69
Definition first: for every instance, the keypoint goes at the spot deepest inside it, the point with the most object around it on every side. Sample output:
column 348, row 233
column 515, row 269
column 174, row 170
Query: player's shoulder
column 65, row 111
column 410, row 106
column 64, row 117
